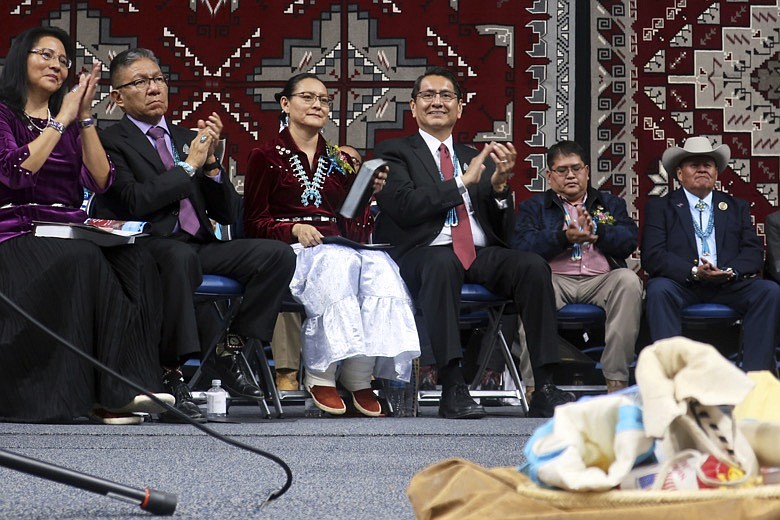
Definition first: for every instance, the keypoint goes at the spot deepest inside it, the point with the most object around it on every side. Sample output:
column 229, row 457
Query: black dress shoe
column 546, row 398
column 456, row 403
column 234, row 378
column 174, row 384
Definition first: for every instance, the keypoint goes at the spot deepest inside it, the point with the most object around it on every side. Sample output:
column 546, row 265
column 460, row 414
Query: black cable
column 208, row 431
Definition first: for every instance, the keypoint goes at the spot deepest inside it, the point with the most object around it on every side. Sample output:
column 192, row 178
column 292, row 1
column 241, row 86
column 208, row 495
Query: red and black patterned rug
column 667, row 70
column 232, row 56
column 656, row 72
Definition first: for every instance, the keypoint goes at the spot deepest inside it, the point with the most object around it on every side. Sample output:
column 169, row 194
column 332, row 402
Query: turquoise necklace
column 704, row 235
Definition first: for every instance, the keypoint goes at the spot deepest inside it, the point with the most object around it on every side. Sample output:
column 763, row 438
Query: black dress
column 103, row 300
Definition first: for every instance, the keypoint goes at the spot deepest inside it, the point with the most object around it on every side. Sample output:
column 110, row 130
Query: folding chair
column 584, row 317
column 216, row 289
column 705, row 316
column 480, row 307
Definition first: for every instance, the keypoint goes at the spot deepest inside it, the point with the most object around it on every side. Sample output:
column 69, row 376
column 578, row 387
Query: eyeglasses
column 49, row 54
column 309, row 98
column 143, row 83
column 564, row 170
column 445, row 95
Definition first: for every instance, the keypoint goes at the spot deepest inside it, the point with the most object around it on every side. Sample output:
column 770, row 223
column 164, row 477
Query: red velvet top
column 274, row 189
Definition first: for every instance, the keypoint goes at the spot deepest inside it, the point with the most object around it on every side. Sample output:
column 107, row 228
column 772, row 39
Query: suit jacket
column 772, row 230
column 669, row 243
column 415, row 201
column 144, row 190
column 540, row 229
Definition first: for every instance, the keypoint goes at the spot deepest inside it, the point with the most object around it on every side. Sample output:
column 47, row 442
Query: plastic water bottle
column 216, row 400
column 395, row 392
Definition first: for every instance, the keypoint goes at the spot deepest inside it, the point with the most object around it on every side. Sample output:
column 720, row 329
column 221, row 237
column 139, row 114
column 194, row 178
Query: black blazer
column 415, row 201
column 144, row 190
column 669, row 243
column 772, row 231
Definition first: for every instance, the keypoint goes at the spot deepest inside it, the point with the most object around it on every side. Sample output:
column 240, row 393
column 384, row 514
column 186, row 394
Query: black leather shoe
column 174, row 384
column 234, row 378
column 456, row 403
column 546, row 398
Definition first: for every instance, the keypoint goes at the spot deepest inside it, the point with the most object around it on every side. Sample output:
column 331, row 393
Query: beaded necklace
column 704, row 234
column 576, row 248
column 33, row 125
column 452, row 216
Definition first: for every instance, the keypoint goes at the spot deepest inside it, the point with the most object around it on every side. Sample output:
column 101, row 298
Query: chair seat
column 581, row 314
column 472, row 292
column 704, row 311
column 214, row 284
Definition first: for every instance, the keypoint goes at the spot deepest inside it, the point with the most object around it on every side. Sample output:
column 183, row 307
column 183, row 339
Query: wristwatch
column 695, row 273
column 187, row 168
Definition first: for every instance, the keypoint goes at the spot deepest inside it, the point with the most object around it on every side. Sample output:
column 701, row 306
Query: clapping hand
column 78, row 101
column 380, row 178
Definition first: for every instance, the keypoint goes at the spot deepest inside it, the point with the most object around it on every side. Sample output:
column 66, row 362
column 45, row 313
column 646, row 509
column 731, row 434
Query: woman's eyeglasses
column 309, row 98
column 49, row 54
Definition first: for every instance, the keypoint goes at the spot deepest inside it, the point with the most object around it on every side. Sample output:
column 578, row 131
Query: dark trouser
column 435, row 277
column 757, row 300
column 263, row 267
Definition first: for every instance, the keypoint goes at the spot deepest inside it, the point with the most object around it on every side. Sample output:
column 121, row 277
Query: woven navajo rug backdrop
column 669, row 69
column 512, row 57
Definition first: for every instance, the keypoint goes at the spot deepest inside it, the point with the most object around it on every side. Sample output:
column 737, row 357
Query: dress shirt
column 445, row 236
column 593, row 261
column 705, row 218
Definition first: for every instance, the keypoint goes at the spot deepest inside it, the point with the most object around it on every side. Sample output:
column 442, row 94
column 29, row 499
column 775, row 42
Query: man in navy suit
column 698, row 245
column 164, row 172
column 447, row 209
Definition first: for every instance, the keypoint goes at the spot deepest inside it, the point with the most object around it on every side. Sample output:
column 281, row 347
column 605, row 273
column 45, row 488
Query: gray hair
column 126, row 58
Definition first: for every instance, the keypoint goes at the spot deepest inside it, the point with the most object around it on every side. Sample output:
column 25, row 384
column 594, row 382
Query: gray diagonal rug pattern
column 343, row 468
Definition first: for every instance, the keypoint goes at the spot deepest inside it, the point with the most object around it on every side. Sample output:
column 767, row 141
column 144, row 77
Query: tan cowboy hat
column 696, row 146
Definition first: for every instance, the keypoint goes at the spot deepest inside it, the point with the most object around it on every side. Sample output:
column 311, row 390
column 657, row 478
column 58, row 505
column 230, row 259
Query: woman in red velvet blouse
column 358, row 310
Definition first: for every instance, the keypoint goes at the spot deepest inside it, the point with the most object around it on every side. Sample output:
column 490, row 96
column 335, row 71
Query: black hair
column 289, row 87
column 564, row 148
column 14, row 80
column 438, row 71
column 127, row 58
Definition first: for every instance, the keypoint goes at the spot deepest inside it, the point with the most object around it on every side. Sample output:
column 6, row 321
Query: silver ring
column 203, row 138
column 503, row 161
column 74, row 89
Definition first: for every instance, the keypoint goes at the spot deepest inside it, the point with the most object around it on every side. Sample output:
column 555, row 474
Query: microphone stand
column 155, row 502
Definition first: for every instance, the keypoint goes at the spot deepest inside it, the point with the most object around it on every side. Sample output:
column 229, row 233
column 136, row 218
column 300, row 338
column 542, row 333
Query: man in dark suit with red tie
column 448, row 211
column 169, row 176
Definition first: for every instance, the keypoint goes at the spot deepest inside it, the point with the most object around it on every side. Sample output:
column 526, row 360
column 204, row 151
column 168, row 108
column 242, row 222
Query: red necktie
column 188, row 217
column 462, row 239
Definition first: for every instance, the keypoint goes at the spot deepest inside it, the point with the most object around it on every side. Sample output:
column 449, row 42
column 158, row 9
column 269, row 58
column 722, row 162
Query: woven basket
column 572, row 501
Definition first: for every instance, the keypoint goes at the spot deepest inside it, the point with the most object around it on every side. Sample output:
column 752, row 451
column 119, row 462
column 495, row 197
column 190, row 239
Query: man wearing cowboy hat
column 699, row 246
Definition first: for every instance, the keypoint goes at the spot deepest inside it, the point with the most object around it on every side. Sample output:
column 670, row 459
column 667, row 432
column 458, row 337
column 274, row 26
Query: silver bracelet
column 86, row 123
column 57, row 126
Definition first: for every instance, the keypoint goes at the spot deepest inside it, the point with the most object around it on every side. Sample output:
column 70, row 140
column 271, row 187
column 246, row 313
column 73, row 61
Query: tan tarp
column 457, row 489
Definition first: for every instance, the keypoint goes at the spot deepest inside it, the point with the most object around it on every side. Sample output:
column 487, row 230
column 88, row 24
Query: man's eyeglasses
column 564, row 170
column 143, row 83
column 309, row 98
column 49, row 54
column 445, row 95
